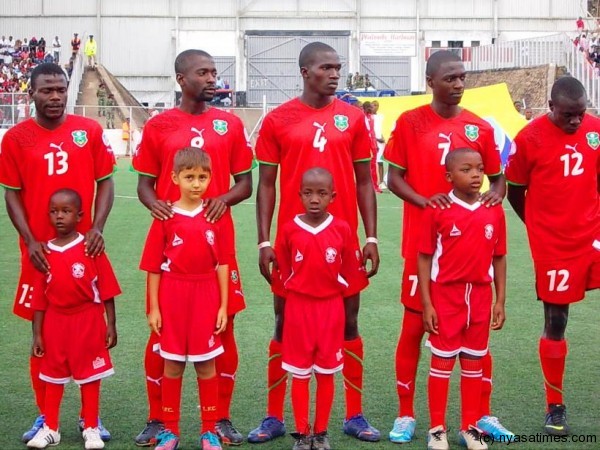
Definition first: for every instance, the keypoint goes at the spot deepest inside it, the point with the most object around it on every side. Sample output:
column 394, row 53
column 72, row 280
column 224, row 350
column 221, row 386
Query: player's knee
column 555, row 323
column 278, row 335
column 351, row 328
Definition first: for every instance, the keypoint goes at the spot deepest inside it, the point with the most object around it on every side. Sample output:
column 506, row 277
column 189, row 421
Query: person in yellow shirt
column 90, row 51
column 126, row 127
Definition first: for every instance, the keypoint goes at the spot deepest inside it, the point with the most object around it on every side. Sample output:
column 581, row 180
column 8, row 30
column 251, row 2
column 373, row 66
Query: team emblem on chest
column 79, row 138
column 210, row 237
column 472, row 132
column 77, row 270
column 220, row 126
column 593, row 140
column 330, row 255
column 341, row 122
column 489, row 231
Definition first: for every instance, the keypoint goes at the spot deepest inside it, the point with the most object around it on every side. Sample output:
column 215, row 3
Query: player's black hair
column 181, row 61
column 46, row 69
column 437, row 59
column 567, row 87
column 190, row 158
column 309, row 51
column 454, row 155
column 319, row 172
column 74, row 196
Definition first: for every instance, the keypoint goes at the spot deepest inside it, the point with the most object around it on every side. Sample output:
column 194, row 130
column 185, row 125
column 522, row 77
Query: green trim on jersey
column 105, row 178
column 514, row 184
column 144, row 173
column 267, row 163
column 494, row 174
column 362, row 160
column 12, row 188
column 392, row 164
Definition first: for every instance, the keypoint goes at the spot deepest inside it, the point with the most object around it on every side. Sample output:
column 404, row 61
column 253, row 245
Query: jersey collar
column 465, row 205
column 73, row 243
column 313, row 230
column 185, row 212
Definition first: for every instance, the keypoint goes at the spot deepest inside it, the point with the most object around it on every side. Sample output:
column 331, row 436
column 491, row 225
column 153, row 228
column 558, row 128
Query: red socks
column 470, row 391
column 277, row 381
column 437, row 387
column 208, row 395
column 300, row 403
column 226, row 365
column 407, row 360
column 154, row 366
column 54, row 394
column 171, row 403
column 38, row 386
column 552, row 357
column 487, row 386
column 90, row 400
column 325, row 392
column 353, row 376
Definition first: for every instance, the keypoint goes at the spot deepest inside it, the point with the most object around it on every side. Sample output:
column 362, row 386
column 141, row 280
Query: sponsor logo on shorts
column 339, row 355
column 235, row 277
column 330, row 254
column 98, row 362
column 489, row 231
column 211, row 342
column 210, row 237
column 78, row 270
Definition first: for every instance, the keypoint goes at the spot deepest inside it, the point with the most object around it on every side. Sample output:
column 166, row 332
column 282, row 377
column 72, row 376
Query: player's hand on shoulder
column 111, row 336
column 490, row 198
column 94, row 242
column 155, row 321
column 161, row 210
column 371, row 253
column 214, row 209
column 498, row 317
column 440, row 200
column 430, row 320
column 37, row 251
column 267, row 261
column 221, row 321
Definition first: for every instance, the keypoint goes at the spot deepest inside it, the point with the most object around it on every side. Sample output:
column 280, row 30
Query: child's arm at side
column 223, row 281
column 498, row 314
column 154, row 318
column 424, row 274
column 37, row 347
column 111, row 323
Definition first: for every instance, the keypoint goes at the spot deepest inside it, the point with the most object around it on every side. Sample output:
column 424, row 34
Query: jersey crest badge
column 77, row 270
column 79, row 137
column 455, row 231
column 341, row 122
column 472, row 132
column 330, row 255
column 489, row 231
column 220, row 126
column 210, row 237
column 235, row 278
column 593, row 139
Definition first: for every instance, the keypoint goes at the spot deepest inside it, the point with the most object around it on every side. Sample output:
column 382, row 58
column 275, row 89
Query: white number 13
column 57, row 162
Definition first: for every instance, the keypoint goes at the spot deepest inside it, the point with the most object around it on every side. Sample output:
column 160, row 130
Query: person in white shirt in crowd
column 56, row 45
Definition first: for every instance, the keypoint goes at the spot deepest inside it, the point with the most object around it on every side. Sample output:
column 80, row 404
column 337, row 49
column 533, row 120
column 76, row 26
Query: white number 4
column 562, row 284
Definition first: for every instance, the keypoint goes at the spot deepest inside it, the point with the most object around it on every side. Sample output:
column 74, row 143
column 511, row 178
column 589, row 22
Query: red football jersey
column 76, row 280
column 463, row 240
column 419, row 144
column 38, row 162
column 562, row 205
column 313, row 260
column 186, row 244
column 298, row 137
column 218, row 133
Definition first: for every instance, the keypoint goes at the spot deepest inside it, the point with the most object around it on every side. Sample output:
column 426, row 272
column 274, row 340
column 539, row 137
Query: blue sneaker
column 491, row 426
column 358, row 427
column 38, row 423
column 269, row 429
column 210, row 441
column 104, row 433
column 403, row 430
column 165, row 440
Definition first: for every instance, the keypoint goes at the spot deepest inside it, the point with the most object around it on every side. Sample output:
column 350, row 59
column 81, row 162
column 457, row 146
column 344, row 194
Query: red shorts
column 29, row 277
column 565, row 281
column 410, row 292
column 464, row 311
column 357, row 279
column 313, row 334
column 189, row 306
column 75, row 346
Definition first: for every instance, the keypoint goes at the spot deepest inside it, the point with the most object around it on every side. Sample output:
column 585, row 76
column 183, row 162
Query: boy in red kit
column 313, row 334
column 457, row 295
column 563, row 224
column 187, row 290
column 195, row 123
column 416, row 153
column 70, row 334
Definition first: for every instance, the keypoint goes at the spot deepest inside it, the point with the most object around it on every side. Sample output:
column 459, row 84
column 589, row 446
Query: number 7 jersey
column 560, row 172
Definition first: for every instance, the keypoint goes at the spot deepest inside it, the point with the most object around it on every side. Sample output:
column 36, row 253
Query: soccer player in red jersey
column 70, row 335
column 54, row 150
column 419, row 144
column 194, row 123
column 312, row 130
column 313, row 334
column 188, row 278
column 553, row 182
column 456, row 293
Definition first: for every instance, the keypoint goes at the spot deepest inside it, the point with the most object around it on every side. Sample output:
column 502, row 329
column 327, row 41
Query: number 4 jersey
column 560, row 172
column 37, row 162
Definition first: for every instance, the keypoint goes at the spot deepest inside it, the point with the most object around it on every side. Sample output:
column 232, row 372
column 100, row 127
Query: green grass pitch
column 518, row 397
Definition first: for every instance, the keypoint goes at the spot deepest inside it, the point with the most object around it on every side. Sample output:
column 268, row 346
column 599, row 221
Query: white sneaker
column 45, row 437
column 437, row 439
column 472, row 439
column 382, row 186
column 91, row 439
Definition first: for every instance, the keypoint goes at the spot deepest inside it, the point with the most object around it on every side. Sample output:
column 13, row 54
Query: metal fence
column 579, row 67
